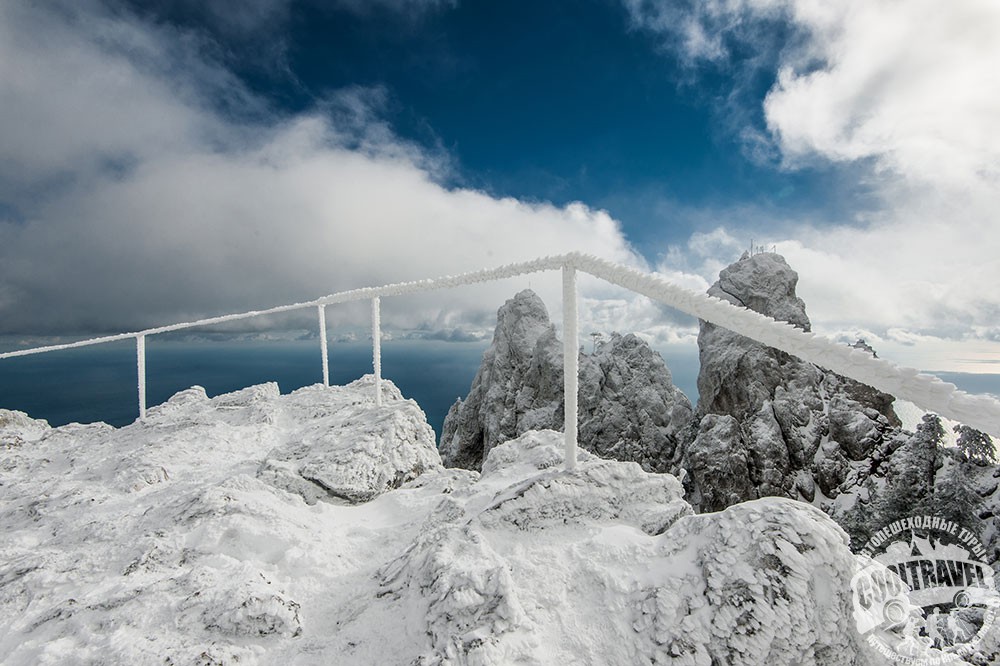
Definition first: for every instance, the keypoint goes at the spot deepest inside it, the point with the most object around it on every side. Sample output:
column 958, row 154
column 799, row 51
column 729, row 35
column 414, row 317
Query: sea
column 99, row 383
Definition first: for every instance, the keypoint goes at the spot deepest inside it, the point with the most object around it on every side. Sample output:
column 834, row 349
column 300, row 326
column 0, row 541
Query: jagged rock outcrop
column 517, row 388
column 794, row 427
column 629, row 408
column 770, row 424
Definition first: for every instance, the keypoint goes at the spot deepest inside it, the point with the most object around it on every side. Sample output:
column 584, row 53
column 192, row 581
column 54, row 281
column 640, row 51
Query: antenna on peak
column 756, row 248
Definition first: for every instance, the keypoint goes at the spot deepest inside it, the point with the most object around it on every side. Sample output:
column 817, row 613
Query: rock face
column 769, row 424
column 629, row 408
column 789, row 426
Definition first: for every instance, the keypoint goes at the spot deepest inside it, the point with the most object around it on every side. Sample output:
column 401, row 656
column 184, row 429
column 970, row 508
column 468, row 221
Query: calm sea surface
column 99, row 383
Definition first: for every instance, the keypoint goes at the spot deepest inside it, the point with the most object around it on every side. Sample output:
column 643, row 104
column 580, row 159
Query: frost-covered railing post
column 140, row 363
column 570, row 362
column 322, row 344
column 377, row 349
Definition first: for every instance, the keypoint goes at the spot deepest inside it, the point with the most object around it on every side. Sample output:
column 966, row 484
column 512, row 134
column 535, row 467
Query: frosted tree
column 909, row 485
column 860, row 521
column 928, row 439
column 954, row 497
column 906, row 493
column 976, row 445
column 598, row 339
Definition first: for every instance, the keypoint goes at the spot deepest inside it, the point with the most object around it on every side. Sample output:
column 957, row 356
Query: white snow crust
column 194, row 537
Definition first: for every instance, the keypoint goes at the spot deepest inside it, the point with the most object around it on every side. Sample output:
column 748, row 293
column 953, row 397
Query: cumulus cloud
column 140, row 200
column 907, row 92
column 910, row 85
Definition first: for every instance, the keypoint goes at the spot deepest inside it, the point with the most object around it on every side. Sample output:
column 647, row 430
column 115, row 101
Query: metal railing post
column 322, row 345
column 377, row 349
column 570, row 362
column 140, row 362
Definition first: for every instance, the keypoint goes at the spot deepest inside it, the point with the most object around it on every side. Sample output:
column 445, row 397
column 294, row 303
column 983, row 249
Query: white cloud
column 146, row 185
column 912, row 85
column 71, row 108
column 909, row 90
column 143, row 204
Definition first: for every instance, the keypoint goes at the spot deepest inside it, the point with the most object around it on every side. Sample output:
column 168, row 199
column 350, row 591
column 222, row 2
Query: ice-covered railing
column 926, row 391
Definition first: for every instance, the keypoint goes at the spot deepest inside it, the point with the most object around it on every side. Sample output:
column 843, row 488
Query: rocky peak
column 521, row 372
column 788, row 425
column 861, row 344
column 765, row 283
column 629, row 408
column 737, row 375
column 521, row 322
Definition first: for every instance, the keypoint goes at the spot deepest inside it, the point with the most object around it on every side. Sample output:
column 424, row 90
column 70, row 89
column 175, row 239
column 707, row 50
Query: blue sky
column 166, row 160
column 542, row 101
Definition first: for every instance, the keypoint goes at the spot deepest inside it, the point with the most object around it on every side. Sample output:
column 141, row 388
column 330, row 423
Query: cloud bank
column 140, row 186
column 141, row 183
column 907, row 92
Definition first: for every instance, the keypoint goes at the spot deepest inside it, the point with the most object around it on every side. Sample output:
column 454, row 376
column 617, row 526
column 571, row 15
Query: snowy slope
column 175, row 541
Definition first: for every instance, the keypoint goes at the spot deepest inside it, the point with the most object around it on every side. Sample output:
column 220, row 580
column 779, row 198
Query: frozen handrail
column 363, row 294
column 927, row 392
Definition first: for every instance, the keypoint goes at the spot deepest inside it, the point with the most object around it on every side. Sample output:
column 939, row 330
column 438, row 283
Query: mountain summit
column 629, row 407
column 770, row 423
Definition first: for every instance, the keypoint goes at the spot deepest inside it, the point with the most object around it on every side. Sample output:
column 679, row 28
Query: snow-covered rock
column 518, row 385
column 770, row 424
column 160, row 543
column 608, row 565
column 796, row 425
column 18, row 427
column 629, row 408
column 326, row 442
column 164, row 542
column 350, row 451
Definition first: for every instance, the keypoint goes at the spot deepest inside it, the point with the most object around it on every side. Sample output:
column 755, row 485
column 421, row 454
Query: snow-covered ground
column 315, row 528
